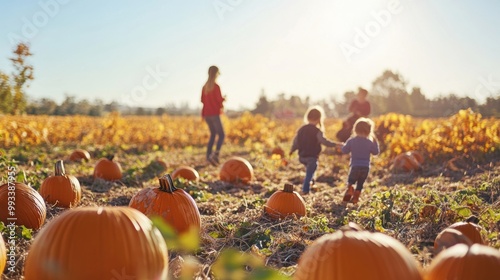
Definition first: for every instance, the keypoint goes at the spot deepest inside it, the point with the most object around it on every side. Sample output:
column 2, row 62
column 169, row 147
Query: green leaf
column 26, row 233
column 214, row 234
column 463, row 211
column 262, row 273
column 189, row 241
column 166, row 230
column 233, row 264
column 21, row 176
column 408, row 217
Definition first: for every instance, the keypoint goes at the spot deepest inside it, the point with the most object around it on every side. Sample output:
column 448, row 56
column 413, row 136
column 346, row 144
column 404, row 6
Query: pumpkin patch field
column 133, row 197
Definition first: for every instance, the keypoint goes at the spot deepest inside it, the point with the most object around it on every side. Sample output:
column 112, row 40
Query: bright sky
column 150, row 53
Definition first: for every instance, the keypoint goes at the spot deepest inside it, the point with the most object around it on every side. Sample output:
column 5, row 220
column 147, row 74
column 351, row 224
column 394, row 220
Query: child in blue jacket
column 361, row 145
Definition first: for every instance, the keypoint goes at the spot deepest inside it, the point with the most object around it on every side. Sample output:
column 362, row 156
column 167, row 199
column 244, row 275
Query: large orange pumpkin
column 406, row 162
column 449, row 237
column 187, row 173
column 3, row 254
column 98, row 243
column 236, row 169
column 79, row 155
column 61, row 190
column 175, row 206
column 28, row 209
column 284, row 203
column 469, row 229
column 107, row 169
column 357, row 255
column 462, row 262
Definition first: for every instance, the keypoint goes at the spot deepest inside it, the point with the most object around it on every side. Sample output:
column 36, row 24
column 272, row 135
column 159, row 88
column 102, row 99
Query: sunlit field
column 458, row 178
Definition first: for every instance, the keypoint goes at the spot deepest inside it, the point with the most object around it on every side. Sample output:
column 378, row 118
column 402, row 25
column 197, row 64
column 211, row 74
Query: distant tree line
column 389, row 93
column 70, row 106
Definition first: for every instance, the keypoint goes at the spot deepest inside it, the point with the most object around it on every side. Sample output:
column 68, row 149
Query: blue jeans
column 311, row 164
column 358, row 175
column 215, row 126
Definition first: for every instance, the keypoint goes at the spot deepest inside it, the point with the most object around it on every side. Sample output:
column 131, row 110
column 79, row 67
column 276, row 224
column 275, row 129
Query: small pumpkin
column 61, row 190
column 3, row 254
column 187, row 173
column 79, row 155
column 29, row 208
column 463, row 262
column 236, row 169
column 98, row 243
column 449, row 237
column 107, row 169
column 406, row 162
column 278, row 151
column 162, row 163
column 284, row 203
column 352, row 254
column 175, row 206
column 471, row 229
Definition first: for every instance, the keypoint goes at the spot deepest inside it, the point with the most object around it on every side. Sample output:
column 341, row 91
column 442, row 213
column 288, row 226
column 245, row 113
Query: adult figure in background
column 212, row 100
column 359, row 107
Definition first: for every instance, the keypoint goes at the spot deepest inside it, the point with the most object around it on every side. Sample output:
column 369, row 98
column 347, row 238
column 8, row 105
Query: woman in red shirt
column 359, row 107
column 212, row 100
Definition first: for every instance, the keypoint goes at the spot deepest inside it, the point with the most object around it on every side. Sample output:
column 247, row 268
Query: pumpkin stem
column 59, row 168
column 473, row 219
column 110, row 157
column 288, row 188
column 166, row 184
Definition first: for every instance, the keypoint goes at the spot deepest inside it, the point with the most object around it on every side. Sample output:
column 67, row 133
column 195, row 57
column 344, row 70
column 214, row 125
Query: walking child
column 308, row 141
column 361, row 146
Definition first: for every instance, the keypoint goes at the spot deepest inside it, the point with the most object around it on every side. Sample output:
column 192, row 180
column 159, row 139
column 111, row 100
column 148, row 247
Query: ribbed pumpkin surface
column 98, row 243
column 284, row 203
column 30, row 209
column 175, row 206
column 61, row 190
column 461, row 262
column 235, row 170
column 406, row 162
column 107, row 169
column 357, row 255
column 448, row 238
column 79, row 154
column 187, row 173
column 471, row 230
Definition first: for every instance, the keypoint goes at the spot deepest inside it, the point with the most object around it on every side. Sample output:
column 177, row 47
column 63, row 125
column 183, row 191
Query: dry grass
column 232, row 215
